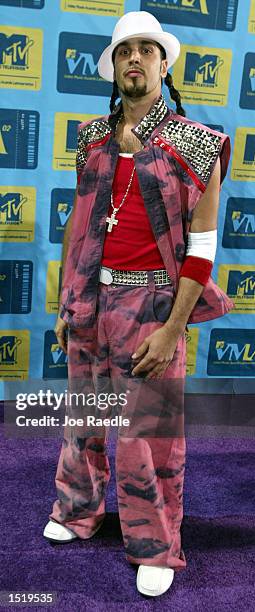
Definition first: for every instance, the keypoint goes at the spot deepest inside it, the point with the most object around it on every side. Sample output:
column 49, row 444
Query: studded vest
column 173, row 169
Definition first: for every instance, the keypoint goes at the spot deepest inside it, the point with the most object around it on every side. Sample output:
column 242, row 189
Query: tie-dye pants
column 150, row 454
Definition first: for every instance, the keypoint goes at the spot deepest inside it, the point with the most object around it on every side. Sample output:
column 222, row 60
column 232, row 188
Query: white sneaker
column 58, row 533
column 153, row 580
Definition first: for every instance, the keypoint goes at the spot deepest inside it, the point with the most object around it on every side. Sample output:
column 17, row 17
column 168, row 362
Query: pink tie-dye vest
column 173, row 169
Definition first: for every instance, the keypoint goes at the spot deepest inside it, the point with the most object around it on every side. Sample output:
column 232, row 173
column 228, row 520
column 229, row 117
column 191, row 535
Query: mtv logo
column 241, row 284
column 8, row 349
column 249, row 150
column 14, row 50
column 11, row 207
column 78, row 57
column 202, row 69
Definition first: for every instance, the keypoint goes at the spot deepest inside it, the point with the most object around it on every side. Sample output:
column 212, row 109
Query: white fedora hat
column 138, row 24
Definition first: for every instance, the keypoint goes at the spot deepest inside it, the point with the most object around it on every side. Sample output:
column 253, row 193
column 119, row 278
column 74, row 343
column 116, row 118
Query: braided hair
column 115, row 95
column 174, row 93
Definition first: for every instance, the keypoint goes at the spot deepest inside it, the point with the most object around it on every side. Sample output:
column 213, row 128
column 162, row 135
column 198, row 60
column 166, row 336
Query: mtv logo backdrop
column 49, row 82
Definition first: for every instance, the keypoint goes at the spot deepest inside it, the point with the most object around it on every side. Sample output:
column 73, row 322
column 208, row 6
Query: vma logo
column 80, row 63
column 78, row 57
column 202, row 75
column 231, row 352
column 20, row 57
column 202, row 70
column 9, row 350
column 243, row 223
column 243, row 164
column 61, row 208
column 55, row 360
column 212, row 14
column 239, row 227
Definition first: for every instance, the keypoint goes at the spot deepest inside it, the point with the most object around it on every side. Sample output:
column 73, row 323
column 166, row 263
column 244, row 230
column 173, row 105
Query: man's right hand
column 60, row 330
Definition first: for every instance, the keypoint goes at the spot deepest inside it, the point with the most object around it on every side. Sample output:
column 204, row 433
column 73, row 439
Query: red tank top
column 131, row 244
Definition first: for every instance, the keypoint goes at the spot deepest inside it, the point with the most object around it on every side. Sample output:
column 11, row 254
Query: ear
column 164, row 64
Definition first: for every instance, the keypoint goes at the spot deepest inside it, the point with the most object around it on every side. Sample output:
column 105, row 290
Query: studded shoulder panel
column 199, row 147
column 155, row 115
column 94, row 131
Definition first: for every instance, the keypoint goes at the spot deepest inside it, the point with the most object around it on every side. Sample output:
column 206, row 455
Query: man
column 141, row 245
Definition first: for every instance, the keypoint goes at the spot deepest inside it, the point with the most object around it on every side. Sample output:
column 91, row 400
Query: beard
column 134, row 90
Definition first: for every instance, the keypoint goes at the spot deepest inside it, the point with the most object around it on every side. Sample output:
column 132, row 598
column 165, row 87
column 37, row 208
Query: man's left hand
column 155, row 352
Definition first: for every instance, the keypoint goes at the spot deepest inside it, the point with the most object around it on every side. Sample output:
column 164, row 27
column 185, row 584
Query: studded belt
column 132, row 277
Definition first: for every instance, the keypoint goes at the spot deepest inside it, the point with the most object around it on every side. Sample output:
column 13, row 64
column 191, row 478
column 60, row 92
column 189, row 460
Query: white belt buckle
column 105, row 276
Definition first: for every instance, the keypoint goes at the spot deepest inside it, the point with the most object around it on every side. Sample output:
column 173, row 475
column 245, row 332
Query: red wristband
column 196, row 268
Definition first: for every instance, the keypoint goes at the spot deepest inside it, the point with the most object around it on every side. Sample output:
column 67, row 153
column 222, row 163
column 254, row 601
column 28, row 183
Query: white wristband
column 202, row 244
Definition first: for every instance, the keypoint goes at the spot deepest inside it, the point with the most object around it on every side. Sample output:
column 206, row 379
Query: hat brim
column 168, row 41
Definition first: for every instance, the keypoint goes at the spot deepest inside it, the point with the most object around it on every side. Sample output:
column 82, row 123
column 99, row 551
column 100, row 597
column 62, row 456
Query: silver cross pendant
column 111, row 220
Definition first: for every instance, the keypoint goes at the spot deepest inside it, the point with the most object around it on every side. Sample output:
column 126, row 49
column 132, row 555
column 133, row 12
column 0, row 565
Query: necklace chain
column 125, row 195
column 112, row 219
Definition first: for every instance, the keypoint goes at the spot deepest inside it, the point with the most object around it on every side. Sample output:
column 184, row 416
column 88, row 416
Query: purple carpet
column 218, row 534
